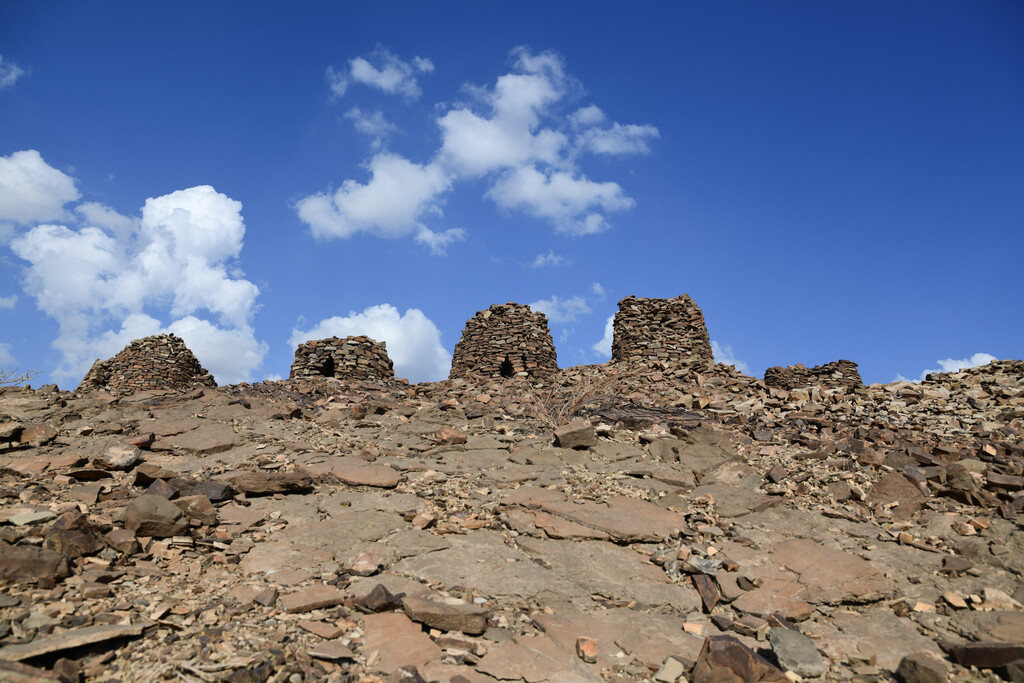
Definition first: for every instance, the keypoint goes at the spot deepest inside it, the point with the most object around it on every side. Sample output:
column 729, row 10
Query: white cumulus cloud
column 438, row 242
column 104, row 281
column 603, row 347
column 561, row 311
column 549, row 259
column 618, row 140
column 725, row 355
column 513, row 135
column 953, row 365
column 9, row 73
column 571, row 202
column 6, row 357
column 390, row 204
column 31, row 190
column 382, row 70
column 413, row 340
column 373, row 126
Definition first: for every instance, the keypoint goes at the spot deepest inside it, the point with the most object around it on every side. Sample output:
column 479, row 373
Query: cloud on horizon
column 724, row 354
column 952, row 365
column 413, row 340
column 105, row 278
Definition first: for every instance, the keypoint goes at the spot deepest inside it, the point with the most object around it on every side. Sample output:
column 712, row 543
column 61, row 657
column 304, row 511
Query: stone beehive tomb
column 841, row 373
column 667, row 331
column 158, row 362
column 351, row 358
column 506, row 340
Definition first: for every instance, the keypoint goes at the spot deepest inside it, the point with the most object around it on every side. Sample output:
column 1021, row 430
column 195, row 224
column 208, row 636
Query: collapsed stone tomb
column 160, row 362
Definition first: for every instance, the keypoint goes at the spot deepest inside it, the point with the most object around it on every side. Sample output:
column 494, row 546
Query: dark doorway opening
column 327, row 369
column 506, row 369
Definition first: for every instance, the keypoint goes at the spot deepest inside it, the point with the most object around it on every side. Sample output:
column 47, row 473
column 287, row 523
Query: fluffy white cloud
column 390, row 204
column 561, row 311
column 6, row 357
column 117, row 270
column 8, row 301
column 956, row 364
column 549, row 259
column 438, row 242
column 413, row 340
column 374, row 125
column 382, row 70
column 618, row 140
column 725, row 355
column 514, row 134
column 9, row 73
column 570, row 202
column 586, row 117
column 603, row 347
column 31, row 190
column 597, row 290
column 102, row 216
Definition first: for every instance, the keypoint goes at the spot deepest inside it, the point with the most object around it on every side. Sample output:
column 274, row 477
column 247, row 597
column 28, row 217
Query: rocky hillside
column 616, row 522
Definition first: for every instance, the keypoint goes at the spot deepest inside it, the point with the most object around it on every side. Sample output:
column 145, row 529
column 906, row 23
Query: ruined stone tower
column 351, row 358
column 158, row 362
column 506, row 340
column 666, row 331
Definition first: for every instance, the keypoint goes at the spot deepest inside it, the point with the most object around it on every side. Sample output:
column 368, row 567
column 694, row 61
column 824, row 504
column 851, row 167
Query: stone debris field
column 659, row 518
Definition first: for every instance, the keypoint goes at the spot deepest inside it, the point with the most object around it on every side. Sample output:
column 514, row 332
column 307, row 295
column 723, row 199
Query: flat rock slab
column 622, row 518
column 70, row 640
column 649, row 638
column 380, row 476
column 30, row 563
column 832, row 576
column 445, row 612
column 269, row 483
column 204, row 440
column 735, row 501
column 316, row 597
column 399, row 642
column 879, row 634
column 534, row 660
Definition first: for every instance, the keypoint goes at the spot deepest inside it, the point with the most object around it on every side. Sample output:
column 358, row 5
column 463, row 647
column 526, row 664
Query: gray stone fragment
column 922, row 667
column 155, row 517
column 576, row 434
column 796, row 652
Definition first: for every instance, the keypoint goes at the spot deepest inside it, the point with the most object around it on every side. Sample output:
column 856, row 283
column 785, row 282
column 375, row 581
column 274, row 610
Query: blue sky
column 827, row 180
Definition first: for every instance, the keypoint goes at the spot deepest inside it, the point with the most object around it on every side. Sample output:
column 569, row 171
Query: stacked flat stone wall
column 840, row 373
column 666, row 331
column 506, row 340
column 158, row 362
column 351, row 358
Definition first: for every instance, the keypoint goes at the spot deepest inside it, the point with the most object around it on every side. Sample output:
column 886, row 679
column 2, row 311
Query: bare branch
column 10, row 377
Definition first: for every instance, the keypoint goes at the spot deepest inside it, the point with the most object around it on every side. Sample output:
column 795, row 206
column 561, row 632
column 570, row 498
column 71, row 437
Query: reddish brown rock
column 28, row 563
column 576, row 434
column 269, row 483
column 725, row 659
column 397, row 642
column 312, row 598
column 445, row 613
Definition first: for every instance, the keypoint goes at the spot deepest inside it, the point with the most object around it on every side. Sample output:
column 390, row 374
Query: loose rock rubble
column 628, row 521
column 841, row 373
column 352, row 358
